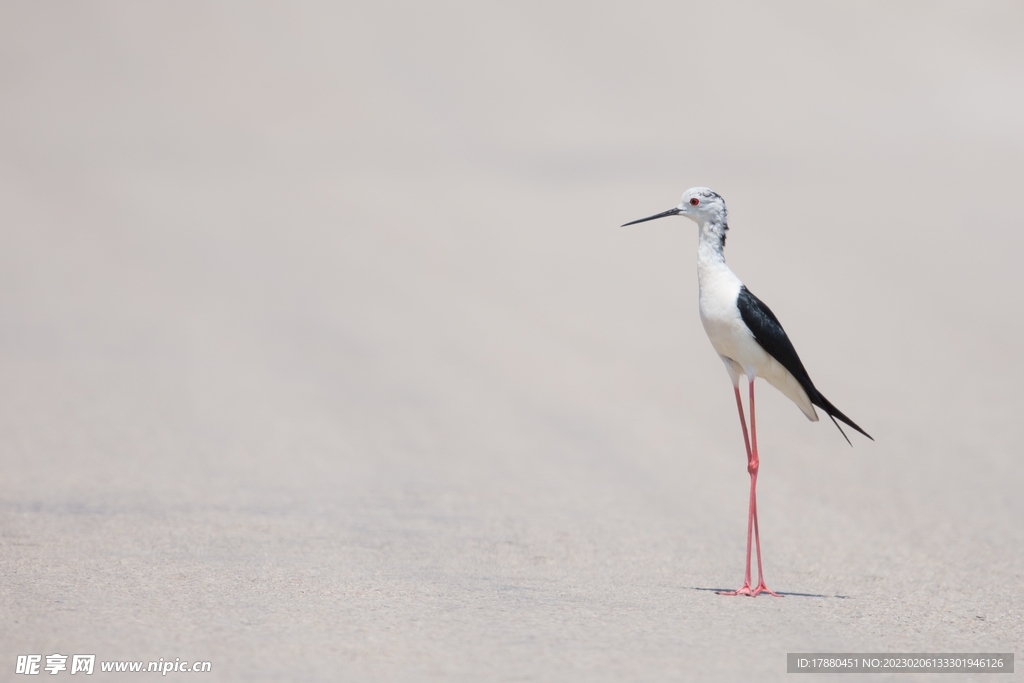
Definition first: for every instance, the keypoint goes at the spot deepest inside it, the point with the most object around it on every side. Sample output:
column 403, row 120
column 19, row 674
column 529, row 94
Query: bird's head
column 699, row 204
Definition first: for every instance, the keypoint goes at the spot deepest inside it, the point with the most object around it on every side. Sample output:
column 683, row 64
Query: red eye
column 694, row 202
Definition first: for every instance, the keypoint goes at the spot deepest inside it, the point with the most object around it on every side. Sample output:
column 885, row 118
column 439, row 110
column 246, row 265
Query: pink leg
column 745, row 589
column 752, row 466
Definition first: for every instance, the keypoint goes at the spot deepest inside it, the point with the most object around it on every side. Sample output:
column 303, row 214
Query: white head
column 703, row 206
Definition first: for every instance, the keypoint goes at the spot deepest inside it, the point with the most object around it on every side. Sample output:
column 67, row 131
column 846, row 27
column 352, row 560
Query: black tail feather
column 841, row 431
column 834, row 413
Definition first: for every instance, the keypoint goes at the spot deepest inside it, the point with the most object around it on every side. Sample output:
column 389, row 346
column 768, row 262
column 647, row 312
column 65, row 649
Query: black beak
column 670, row 212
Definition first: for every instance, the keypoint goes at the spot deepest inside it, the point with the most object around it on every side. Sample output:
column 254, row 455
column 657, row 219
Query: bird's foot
column 761, row 588
column 752, row 592
column 745, row 590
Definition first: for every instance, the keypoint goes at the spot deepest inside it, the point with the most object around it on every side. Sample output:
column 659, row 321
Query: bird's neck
column 711, row 248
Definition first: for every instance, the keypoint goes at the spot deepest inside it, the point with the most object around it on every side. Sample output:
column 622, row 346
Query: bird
column 751, row 343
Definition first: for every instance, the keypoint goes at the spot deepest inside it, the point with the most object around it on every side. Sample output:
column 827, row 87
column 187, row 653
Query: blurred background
column 324, row 358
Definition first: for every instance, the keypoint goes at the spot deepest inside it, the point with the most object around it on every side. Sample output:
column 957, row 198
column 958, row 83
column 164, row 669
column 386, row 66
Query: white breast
column 719, row 288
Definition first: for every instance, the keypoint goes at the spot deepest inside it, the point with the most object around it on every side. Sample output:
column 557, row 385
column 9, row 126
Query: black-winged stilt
column 749, row 340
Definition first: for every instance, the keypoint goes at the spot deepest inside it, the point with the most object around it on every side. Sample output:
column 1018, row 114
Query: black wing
column 769, row 334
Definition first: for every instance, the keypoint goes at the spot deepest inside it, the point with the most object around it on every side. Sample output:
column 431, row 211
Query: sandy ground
column 323, row 357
